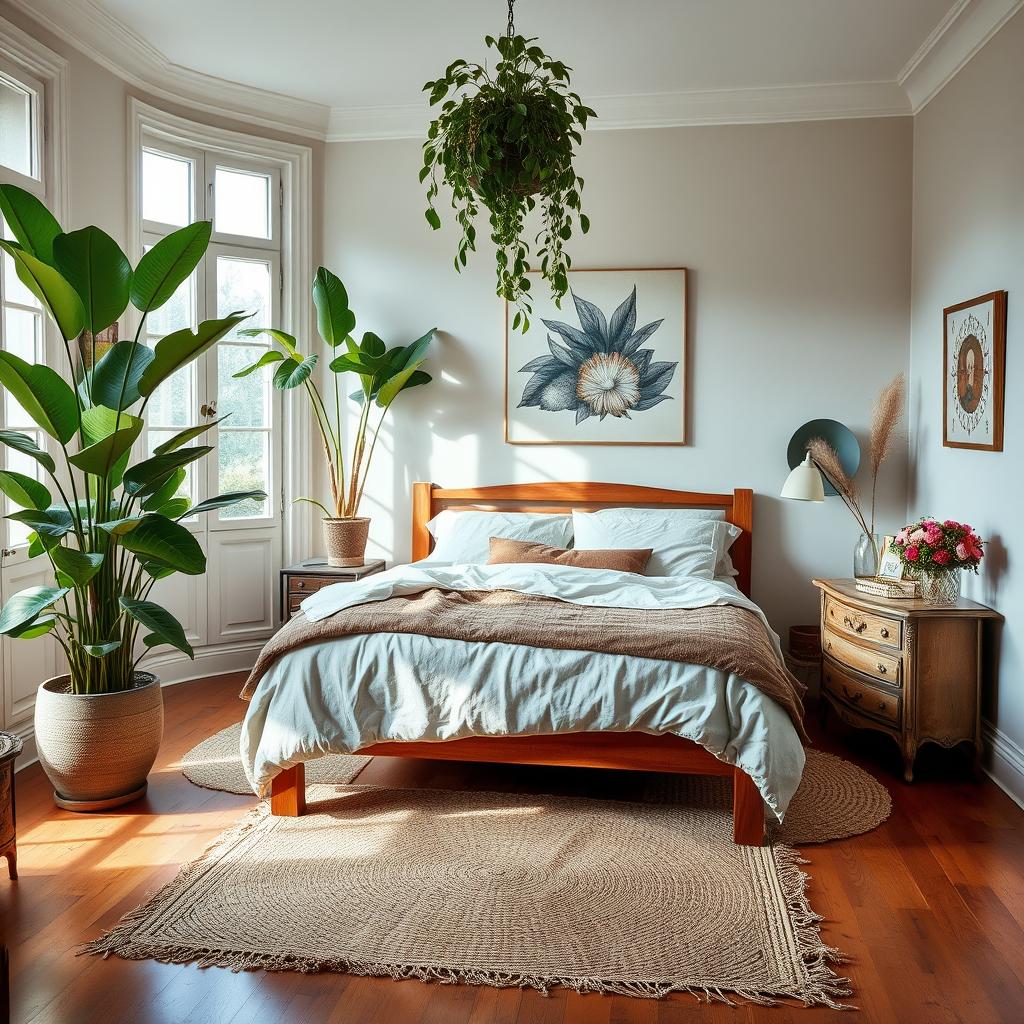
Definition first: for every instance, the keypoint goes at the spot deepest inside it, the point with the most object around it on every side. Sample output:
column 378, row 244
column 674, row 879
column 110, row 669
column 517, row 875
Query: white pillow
column 682, row 544
column 724, row 566
column 461, row 537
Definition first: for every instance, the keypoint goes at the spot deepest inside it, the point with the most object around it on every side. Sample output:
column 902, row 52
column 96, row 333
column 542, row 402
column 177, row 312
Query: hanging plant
column 505, row 140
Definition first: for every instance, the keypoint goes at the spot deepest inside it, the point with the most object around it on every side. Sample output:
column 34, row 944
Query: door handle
column 208, row 410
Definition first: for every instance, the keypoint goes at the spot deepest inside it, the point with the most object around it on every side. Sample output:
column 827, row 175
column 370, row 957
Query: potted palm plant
column 110, row 527
column 383, row 374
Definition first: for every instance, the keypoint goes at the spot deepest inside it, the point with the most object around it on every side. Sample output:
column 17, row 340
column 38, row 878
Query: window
column 240, row 272
column 19, row 128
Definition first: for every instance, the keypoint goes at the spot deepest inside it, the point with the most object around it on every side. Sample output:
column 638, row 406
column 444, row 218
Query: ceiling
column 358, row 54
column 353, row 69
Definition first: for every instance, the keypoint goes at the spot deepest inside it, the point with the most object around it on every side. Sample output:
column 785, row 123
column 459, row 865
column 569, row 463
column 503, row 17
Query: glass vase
column 867, row 554
column 940, row 588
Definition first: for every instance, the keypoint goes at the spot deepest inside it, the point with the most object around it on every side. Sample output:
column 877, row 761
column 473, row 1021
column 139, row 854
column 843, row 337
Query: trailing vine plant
column 505, row 140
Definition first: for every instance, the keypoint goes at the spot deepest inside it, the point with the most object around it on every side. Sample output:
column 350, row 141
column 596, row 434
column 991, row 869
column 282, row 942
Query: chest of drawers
column 902, row 667
column 299, row 581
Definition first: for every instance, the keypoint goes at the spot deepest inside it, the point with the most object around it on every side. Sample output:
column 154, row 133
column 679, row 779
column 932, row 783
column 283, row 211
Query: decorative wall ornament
column 973, row 361
column 608, row 369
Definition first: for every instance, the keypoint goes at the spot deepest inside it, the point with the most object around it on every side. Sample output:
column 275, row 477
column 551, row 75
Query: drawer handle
column 882, row 705
column 300, row 585
column 881, row 668
column 851, row 697
column 884, row 633
column 828, row 645
column 857, row 627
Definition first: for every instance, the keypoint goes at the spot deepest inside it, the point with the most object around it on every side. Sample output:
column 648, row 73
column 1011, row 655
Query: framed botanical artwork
column 890, row 565
column 973, row 369
column 608, row 367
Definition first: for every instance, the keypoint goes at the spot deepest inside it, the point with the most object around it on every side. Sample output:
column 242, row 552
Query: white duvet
column 344, row 694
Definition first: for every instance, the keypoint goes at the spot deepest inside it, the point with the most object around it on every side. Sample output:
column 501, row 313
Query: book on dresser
column 903, row 667
column 305, row 578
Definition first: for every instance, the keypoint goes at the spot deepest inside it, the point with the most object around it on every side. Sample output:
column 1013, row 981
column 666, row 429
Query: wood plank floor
column 930, row 906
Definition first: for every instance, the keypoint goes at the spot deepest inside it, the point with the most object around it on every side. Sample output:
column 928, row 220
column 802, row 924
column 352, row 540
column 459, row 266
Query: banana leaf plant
column 384, row 373
column 109, row 528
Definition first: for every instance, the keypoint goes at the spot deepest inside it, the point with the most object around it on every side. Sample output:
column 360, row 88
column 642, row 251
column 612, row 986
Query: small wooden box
column 299, row 581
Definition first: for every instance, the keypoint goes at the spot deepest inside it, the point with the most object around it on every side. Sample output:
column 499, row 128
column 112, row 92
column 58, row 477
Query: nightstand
column 902, row 667
column 299, row 581
column 10, row 748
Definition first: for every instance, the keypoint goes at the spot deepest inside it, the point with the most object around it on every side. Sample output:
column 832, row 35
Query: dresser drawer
column 302, row 586
column 879, row 629
column 886, row 667
column 859, row 694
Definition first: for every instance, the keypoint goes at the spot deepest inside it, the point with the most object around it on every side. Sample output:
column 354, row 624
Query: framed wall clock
column 608, row 367
column 973, row 373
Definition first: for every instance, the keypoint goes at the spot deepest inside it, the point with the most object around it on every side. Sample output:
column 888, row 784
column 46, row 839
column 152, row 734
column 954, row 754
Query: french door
column 241, row 271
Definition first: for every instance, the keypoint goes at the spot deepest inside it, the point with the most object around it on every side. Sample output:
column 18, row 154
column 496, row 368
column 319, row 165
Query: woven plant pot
column 345, row 540
column 97, row 749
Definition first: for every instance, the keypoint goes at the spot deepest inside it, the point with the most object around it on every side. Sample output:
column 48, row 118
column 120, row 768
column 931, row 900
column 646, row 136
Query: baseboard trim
column 1004, row 762
column 208, row 663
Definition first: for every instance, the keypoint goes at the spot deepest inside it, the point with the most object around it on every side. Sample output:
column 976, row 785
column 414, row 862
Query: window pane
column 242, row 203
column 244, row 285
column 174, row 403
column 14, row 290
column 16, row 116
column 166, row 188
column 248, row 398
column 21, row 333
column 177, row 312
column 244, row 459
column 17, row 533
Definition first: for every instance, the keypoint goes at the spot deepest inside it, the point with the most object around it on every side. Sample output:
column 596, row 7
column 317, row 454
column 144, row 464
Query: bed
column 640, row 749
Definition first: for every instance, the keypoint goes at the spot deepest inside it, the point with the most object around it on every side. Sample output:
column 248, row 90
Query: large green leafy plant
column 384, row 373
column 505, row 140
column 110, row 530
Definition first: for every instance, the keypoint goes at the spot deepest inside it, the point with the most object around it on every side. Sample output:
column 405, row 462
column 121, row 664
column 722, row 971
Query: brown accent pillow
column 505, row 550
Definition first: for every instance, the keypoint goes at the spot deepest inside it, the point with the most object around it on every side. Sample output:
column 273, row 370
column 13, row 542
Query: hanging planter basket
column 505, row 140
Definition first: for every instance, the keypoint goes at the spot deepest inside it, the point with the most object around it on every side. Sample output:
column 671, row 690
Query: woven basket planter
column 97, row 749
column 345, row 540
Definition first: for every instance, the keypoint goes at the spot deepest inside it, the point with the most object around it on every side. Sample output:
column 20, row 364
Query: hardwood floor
column 930, row 906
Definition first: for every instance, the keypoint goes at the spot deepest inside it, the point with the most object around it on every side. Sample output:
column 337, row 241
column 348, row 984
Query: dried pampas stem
column 885, row 416
column 826, row 458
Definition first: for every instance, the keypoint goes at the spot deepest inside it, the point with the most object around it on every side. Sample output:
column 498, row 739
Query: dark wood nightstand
column 299, row 581
column 903, row 667
column 10, row 748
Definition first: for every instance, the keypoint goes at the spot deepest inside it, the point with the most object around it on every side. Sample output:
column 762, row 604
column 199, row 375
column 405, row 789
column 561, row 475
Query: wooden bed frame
column 624, row 750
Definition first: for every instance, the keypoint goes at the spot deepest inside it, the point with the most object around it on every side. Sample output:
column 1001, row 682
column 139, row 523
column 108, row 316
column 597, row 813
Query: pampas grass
column 885, row 417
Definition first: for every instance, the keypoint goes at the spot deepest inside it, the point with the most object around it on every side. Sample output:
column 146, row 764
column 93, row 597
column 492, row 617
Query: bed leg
column 288, row 792
column 747, row 811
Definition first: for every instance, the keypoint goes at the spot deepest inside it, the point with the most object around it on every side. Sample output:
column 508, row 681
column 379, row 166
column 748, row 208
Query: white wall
column 968, row 240
column 797, row 238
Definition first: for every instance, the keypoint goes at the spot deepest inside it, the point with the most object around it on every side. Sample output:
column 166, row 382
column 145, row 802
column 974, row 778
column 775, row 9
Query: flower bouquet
column 936, row 552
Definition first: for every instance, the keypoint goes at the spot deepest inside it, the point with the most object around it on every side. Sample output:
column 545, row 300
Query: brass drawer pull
column 884, row 633
column 300, row 584
column 851, row 697
column 881, row 668
column 882, row 705
column 857, row 627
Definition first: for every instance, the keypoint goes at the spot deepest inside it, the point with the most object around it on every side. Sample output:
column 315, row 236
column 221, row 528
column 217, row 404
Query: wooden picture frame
column 649, row 426
column 974, row 373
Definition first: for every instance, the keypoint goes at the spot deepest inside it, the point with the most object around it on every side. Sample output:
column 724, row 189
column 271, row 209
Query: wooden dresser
column 299, row 581
column 903, row 667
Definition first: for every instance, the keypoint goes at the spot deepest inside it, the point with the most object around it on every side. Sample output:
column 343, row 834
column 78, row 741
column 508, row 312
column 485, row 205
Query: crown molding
column 815, row 102
column 93, row 31
column 966, row 28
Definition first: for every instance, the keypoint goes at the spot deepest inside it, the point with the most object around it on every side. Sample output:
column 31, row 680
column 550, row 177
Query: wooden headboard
column 554, row 497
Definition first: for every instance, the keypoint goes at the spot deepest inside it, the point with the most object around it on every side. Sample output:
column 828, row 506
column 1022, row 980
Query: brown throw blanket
column 722, row 637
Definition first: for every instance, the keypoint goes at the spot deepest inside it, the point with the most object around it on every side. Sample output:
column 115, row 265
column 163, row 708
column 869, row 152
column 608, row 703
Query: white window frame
column 27, row 60
column 293, row 164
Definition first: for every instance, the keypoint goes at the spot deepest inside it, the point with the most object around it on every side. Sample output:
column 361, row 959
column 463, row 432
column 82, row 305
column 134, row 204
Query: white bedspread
column 338, row 696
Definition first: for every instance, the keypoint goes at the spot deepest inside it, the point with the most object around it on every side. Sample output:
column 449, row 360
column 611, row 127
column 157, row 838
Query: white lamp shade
column 804, row 482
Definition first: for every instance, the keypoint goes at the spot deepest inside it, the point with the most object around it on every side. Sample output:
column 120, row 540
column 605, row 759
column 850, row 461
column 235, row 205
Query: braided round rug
column 835, row 799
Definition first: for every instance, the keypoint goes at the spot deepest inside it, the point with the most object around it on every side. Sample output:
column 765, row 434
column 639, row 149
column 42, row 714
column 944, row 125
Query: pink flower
column 918, row 536
column 941, row 557
column 962, row 551
column 952, row 523
column 903, row 536
column 912, row 553
column 932, row 534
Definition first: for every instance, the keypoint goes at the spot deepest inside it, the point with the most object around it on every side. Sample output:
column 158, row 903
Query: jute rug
column 216, row 764
column 836, row 799
column 501, row 889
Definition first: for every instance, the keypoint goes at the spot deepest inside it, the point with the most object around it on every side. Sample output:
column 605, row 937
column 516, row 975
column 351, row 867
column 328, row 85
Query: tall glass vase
column 940, row 588
column 866, row 555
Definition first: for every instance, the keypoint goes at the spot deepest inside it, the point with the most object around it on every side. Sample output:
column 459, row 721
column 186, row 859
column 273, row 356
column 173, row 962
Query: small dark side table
column 10, row 748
